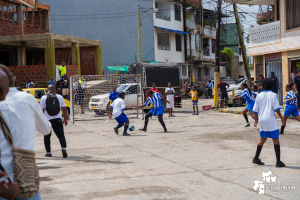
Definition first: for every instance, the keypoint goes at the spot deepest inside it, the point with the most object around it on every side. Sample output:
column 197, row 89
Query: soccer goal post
column 90, row 95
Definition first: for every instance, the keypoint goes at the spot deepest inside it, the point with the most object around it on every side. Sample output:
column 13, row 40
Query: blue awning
column 175, row 31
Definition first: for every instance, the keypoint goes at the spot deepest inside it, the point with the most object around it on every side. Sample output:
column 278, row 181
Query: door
column 276, row 67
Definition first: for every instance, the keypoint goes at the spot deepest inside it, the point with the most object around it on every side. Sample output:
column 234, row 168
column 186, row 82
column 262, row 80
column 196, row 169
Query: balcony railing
column 265, row 34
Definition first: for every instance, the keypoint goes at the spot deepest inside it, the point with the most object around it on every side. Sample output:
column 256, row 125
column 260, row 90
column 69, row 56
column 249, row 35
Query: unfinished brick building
column 29, row 48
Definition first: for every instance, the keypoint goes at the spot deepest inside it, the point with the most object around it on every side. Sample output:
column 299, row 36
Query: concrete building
column 275, row 45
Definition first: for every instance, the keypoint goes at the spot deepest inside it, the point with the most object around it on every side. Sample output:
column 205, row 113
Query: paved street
column 201, row 157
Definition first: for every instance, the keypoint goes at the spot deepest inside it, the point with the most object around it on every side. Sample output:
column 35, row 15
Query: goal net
column 90, row 95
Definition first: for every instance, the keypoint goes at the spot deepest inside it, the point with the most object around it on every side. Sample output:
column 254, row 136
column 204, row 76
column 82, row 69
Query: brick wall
column 10, row 28
column 72, row 70
column 196, row 3
column 37, row 74
column 39, row 20
column 87, row 61
column 63, row 55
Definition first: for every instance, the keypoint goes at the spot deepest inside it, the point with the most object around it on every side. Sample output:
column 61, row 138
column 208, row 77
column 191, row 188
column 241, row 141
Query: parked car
column 39, row 92
column 101, row 103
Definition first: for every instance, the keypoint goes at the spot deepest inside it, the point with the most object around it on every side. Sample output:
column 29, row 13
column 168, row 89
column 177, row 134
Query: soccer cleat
column 64, row 153
column 197, row 114
column 257, row 161
column 126, row 134
column 143, row 129
column 165, row 130
column 281, row 132
column 48, row 154
column 116, row 131
column 247, row 125
column 280, row 164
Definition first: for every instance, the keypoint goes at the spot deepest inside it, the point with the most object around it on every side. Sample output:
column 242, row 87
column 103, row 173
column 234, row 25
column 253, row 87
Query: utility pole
column 217, row 61
column 139, row 35
column 241, row 41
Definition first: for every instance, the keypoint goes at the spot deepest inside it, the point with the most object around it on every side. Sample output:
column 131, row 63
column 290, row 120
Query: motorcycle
column 208, row 93
column 198, row 89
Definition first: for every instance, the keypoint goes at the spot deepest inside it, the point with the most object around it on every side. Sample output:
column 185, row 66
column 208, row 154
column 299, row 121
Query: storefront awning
column 175, row 31
column 123, row 68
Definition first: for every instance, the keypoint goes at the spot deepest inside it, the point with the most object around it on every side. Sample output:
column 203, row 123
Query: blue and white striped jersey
column 155, row 100
column 246, row 95
column 254, row 93
column 291, row 94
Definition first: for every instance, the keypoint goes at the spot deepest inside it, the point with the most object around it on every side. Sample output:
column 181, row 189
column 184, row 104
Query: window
column 39, row 94
column 213, row 46
column 292, row 14
column 198, row 43
column 183, row 70
column 177, row 9
column 163, row 41
column 198, row 18
column 178, row 42
column 206, row 71
column 206, row 49
column 132, row 90
column 199, row 73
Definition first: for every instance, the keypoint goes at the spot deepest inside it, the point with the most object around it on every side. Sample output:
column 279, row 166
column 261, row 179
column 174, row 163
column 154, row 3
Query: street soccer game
column 149, row 100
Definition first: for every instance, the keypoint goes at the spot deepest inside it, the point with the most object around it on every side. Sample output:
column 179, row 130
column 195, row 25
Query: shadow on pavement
column 292, row 167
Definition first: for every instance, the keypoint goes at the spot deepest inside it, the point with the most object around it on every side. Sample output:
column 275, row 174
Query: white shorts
column 171, row 104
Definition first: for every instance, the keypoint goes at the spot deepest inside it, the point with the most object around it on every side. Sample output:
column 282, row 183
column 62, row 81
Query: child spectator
column 266, row 104
column 154, row 89
column 194, row 94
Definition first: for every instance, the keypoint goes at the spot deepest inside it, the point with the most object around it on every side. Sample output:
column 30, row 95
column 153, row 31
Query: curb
column 240, row 112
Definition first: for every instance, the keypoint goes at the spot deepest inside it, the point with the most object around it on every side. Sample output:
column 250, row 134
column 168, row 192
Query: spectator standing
column 29, row 82
column 80, row 97
column 276, row 83
column 63, row 69
column 65, row 87
column 23, row 117
column 194, row 94
column 259, row 82
column 293, row 74
column 154, row 89
column 51, row 105
column 170, row 92
column 297, row 87
column 51, row 82
column 209, row 85
column 223, row 90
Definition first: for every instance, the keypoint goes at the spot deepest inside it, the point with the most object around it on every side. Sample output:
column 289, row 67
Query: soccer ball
column 131, row 128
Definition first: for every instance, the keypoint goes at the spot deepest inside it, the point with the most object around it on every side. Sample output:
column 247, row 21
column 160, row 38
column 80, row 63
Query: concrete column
column 50, row 58
column 285, row 72
column 20, row 16
column 254, row 67
column 76, row 56
column 21, row 51
column 98, row 59
column 47, row 25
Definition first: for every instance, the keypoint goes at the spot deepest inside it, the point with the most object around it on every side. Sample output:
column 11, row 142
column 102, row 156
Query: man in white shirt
column 170, row 97
column 29, row 83
column 118, row 107
column 23, row 116
column 55, row 117
column 266, row 104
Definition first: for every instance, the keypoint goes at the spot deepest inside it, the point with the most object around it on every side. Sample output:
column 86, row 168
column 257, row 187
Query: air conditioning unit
column 160, row 47
column 164, row 48
column 167, row 48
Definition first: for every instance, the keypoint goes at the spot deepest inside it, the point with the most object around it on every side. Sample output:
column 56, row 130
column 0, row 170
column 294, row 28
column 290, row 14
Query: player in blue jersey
column 250, row 100
column 291, row 107
column 155, row 98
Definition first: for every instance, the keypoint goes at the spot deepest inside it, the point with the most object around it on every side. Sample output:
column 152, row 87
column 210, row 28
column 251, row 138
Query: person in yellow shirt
column 63, row 69
column 194, row 94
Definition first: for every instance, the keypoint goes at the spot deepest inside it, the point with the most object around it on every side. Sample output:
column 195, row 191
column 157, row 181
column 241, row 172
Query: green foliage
column 229, row 52
column 248, row 38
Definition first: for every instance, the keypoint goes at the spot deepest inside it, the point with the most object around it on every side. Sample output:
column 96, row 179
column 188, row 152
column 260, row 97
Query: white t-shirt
column 266, row 103
column 61, row 104
column 170, row 96
column 118, row 106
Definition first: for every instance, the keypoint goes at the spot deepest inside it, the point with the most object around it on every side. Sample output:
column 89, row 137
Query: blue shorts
column 122, row 118
column 270, row 134
column 158, row 111
column 250, row 105
column 291, row 110
column 195, row 103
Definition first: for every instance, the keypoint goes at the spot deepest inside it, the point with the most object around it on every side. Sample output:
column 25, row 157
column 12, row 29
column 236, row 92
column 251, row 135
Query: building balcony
column 196, row 55
column 190, row 24
column 264, row 18
column 265, row 34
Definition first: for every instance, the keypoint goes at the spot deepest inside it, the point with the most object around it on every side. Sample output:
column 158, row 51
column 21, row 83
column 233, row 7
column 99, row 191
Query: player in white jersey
column 266, row 104
column 291, row 107
column 118, row 107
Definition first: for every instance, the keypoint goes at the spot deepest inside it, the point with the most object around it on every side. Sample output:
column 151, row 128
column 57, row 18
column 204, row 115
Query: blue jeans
column 36, row 197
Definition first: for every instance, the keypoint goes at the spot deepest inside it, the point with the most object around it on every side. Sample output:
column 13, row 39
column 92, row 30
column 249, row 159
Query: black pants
column 298, row 101
column 58, row 129
column 160, row 119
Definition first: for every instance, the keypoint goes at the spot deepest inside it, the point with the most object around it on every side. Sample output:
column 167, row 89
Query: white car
column 101, row 103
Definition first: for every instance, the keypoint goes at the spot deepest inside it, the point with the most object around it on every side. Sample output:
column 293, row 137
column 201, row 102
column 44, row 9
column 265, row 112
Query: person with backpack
column 51, row 105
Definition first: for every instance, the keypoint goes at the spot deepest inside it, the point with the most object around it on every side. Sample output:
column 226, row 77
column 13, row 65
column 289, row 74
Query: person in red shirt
column 154, row 89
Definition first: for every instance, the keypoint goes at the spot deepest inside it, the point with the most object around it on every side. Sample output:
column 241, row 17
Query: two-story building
column 274, row 45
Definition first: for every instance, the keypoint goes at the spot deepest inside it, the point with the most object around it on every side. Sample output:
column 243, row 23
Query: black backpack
column 52, row 104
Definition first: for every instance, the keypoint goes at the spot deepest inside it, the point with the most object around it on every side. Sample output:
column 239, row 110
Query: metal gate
column 276, row 67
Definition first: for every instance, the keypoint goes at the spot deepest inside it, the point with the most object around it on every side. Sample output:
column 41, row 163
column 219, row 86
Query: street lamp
column 139, row 30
